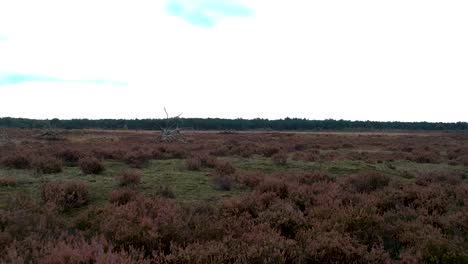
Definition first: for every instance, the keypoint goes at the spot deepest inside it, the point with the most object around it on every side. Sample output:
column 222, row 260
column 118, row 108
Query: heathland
column 104, row 196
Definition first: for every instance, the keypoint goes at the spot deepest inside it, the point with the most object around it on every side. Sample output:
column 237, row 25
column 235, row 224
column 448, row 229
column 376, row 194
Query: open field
column 96, row 196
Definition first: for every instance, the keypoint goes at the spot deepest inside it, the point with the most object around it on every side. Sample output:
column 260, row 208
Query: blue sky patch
column 206, row 13
column 18, row 78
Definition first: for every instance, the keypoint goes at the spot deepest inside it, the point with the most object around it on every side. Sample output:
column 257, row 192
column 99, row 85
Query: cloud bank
column 207, row 13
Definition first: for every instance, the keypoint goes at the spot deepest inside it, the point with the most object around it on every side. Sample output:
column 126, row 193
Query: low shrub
column 270, row 151
column 452, row 178
column 137, row 159
column 91, row 165
column 47, row 165
column 366, row 182
column 424, row 157
column 65, row 194
column 122, row 196
column 17, row 160
column 129, row 179
column 69, row 156
column 165, row 191
column 224, row 168
column 223, row 182
column 280, row 159
column 8, row 182
column 193, row 164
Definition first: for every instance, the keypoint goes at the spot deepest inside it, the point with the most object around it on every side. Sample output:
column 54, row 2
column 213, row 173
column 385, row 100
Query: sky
column 398, row 60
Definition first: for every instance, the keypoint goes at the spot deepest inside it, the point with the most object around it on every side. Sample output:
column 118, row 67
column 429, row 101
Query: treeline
column 229, row 124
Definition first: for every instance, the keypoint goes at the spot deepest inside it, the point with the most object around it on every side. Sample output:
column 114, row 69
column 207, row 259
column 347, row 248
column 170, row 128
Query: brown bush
column 367, row 181
column 8, row 182
column 148, row 224
column 69, row 156
column 424, row 157
column 129, row 179
column 17, row 160
column 65, row 194
column 223, row 182
column 122, row 196
column 270, row 151
column 224, row 168
column 280, row 159
column 91, row 165
column 47, row 165
column 193, row 164
column 137, row 159
column 426, row 178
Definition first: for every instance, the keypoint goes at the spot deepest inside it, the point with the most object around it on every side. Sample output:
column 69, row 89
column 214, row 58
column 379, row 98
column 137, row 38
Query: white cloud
column 364, row 59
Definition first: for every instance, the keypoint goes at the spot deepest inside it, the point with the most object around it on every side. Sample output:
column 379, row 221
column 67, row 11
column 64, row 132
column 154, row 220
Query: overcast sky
column 401, row 60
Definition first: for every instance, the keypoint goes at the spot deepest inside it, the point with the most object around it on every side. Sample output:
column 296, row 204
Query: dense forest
column 229, row 124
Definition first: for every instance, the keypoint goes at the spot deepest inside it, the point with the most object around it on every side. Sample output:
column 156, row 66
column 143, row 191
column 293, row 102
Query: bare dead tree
column 50, row 132
column 171, row 132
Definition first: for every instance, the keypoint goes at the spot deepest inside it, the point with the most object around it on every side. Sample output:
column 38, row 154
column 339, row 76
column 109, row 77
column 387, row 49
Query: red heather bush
column 200, row 161
column 365, row 182
column 17, row 160
column 208, row 161
column 47, row 165
column 280, row 159
column 223, row 182
column 8, row 182
column 69, row 249
column 224, row 168
column 137, row 159
column 334, row 247
column 314, row 177
column 69, row 156
column 250, row 179
column 165, row 191
column 270, row 151
column 424, row 157
column 147, row 224
column 193, row 164
column 122, row 196
column 452, row 178
column 65, row 194
column 129, row 178
column 91, row 165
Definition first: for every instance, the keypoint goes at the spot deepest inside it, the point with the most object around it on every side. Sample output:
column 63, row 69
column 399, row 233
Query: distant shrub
column 122, row 196
column 69, row 156
column 17, row 160
column 207, row 161
column 137, row 159
column 424, row 157
column 280, row 159
column 129, row 178
column 224, row 168
column 314, row 177
column 223, row 182
column 65, row 194
column 8, row 182
column 367, row 181
column 270, row 151
column 426, row 178
column 463, row 160
column 250, row 179
column 47, row 165
column 347, row 146
column 91, row 165
column 165, row 191
column 193, row 164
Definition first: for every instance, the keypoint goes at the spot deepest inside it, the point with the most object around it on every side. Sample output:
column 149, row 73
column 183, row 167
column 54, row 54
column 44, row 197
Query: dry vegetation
column 121, row 197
